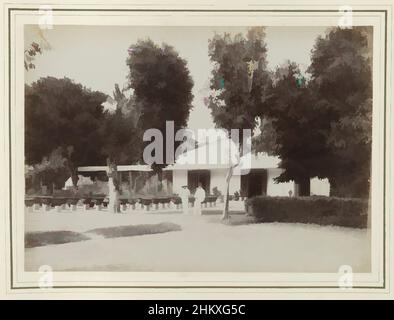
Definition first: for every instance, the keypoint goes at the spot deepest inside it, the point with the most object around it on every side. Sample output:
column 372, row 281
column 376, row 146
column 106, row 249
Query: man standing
column 184, row 194
column 199, row 196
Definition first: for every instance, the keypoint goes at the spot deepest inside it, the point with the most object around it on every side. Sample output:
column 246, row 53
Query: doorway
column 196, row 176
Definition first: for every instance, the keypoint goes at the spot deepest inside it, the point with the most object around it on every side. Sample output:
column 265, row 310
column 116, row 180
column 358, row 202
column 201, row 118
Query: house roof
column 218, row 152
column 251, row 161
column 221, row 152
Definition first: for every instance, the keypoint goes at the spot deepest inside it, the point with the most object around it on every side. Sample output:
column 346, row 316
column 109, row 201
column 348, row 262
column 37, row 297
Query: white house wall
column 278, row 189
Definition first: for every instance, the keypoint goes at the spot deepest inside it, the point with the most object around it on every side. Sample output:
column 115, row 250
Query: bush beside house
column 345, row 212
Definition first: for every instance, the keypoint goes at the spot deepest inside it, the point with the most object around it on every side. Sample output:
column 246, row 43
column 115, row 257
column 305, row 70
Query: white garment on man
column 199, row 196
column 184, row 194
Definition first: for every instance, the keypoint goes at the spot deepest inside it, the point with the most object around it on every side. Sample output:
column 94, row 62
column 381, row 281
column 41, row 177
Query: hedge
column 346, row 212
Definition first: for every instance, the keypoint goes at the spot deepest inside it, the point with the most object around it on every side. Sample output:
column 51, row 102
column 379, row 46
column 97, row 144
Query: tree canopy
column 318, row 123
column 62, row 114
column 120, row 134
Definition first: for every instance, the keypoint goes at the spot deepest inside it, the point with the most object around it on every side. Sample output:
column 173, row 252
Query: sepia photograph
column 196, row 151
column 221, row 149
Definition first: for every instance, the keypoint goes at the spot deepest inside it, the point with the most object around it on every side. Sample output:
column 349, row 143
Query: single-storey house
column 257, row 176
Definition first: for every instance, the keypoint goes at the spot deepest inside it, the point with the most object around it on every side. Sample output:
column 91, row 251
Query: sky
column 95, row 56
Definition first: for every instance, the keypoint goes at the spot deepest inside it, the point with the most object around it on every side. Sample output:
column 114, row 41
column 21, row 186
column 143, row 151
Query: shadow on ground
column 219, row 212
column 39, row 239
column 135, row 230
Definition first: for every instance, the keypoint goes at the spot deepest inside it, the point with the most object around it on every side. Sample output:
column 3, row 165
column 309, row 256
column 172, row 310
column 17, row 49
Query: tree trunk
column 305, row 187
column 73, row 174
column 113, row 187
column 226, row 214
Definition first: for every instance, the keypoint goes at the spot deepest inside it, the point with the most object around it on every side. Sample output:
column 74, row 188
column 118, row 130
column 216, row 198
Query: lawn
column 176, row 242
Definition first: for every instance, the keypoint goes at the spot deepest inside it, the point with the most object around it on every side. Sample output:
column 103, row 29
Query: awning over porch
column 136, row 167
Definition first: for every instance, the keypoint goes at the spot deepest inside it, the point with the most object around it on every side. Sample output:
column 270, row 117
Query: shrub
column 346, row 212
column 29, row 202
column 216, row 192
column 209, row 199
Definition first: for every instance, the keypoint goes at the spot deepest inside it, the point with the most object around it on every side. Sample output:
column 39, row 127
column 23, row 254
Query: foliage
column 299, row 130
column 239, row 82
column 35, row 47
column 62, row 114
column 45, row 238
column 346, row 212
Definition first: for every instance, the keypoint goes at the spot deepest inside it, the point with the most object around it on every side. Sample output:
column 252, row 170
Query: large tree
column 162, row 91
column 294, row 130
column 239, row 82
column 63, row 115
column 342, row 84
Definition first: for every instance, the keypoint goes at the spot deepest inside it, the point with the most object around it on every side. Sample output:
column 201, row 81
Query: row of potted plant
column 103, row 200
